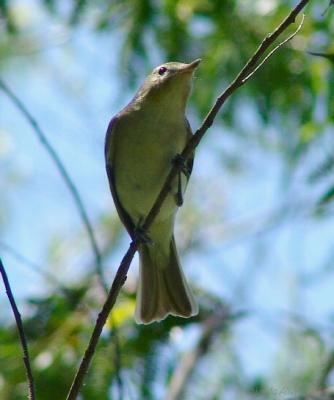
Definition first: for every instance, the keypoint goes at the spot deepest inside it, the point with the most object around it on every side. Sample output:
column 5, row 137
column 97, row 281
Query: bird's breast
column 144, row 149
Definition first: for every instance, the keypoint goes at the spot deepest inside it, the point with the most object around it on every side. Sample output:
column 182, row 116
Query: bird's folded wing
column 109, row 149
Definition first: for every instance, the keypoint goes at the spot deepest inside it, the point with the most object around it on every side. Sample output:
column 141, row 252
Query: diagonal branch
column 123, row 269
column 213, row 325
column 326, row 371
column 64, row 174
column 49, row 276
column 26, row 359
column 275, row 49
column 74, row 192
column 331, row 3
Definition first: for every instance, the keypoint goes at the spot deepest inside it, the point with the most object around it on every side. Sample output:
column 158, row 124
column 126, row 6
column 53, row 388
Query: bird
column 143, row 141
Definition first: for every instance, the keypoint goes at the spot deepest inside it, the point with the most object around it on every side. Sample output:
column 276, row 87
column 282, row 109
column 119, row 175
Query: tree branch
column 38, row 269
column 24, row 345
column 74, row 192
column 331, row 3
column 118, row 282
column 325, row 371
column 183, row 372
column 64, row 174
column 246, row 72
column 275, row 49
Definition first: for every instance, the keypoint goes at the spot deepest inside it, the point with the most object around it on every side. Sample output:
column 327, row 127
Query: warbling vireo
column 141, row 143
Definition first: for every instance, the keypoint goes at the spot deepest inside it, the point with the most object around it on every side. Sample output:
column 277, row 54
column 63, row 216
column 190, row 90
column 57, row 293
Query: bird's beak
column 195, row 63
column 192, row 66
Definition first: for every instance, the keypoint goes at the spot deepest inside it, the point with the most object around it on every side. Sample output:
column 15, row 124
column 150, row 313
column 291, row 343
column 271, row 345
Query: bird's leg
column 180, row 163
column 179, row 195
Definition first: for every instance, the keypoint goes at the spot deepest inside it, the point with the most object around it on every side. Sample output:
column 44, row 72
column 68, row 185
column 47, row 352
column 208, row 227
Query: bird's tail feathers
column 162, row 286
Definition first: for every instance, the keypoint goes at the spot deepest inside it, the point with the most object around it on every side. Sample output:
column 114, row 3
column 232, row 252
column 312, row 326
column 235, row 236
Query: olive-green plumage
column 141, row 143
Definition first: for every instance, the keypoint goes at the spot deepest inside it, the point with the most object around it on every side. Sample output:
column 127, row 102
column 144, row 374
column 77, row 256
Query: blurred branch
column 20, row 329
column 64, row 174
column 114, row 336
column 182, row 373
column 326, row 370
column 73, row 190
column 328, row 56
column 331, row 2
column 31, row 264
column 244, row 75
column 101, row 320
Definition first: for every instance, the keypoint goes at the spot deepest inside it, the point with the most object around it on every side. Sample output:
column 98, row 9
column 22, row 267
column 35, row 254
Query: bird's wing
column 109, row 149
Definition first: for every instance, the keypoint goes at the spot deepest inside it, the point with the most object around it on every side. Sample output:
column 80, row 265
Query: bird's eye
column 162, row 70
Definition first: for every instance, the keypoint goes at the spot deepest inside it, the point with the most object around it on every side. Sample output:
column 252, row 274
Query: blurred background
column 256, row 230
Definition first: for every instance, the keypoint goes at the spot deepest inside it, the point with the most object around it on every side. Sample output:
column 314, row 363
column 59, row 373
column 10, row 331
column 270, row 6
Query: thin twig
column 101, row 320
column 26, row 358
column 275, row 49
column 183, row 372
column 190, row 147
column 246, row 72
column 38, row 269
column 117, row 360
column 73, row 190
column 325, row 371
column 327, row 56
column 331, row 2
column 64, row 174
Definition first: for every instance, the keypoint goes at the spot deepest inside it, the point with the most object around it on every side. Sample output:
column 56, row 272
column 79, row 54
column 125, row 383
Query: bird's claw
column 180, row 163
column 141, row 236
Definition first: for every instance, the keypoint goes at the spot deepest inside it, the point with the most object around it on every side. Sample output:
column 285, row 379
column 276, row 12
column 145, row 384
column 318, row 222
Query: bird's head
column 168, row 83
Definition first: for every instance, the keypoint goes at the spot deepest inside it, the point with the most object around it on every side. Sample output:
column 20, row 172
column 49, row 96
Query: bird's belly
column 139, row 188
column 150, row 159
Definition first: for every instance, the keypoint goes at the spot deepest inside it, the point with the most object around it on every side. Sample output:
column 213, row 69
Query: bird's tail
column 162, row 286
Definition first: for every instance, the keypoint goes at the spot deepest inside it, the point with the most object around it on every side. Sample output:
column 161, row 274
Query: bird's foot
column 141, row 236
column 180, row 163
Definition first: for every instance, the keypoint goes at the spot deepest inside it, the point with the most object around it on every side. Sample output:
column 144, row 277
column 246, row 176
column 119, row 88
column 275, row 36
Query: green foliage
column 7, row 17
column 58, row 329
